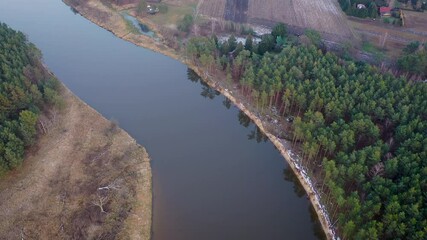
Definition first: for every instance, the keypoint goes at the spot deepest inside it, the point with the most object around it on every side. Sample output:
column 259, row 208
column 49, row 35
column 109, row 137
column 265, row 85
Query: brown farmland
column 322, row 15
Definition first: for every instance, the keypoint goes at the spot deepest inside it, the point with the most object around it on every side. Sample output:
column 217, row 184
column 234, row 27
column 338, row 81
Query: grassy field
column 416, row 21
column 392, row 39
column 175, row 12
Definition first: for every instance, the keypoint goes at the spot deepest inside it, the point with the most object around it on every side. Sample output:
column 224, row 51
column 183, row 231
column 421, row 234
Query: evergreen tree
column 25, row 88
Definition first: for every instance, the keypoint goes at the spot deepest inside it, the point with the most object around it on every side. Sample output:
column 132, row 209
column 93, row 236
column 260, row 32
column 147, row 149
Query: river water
column 214, row 175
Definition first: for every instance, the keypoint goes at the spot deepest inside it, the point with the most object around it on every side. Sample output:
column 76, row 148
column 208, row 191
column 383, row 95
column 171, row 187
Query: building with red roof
column 385, row 11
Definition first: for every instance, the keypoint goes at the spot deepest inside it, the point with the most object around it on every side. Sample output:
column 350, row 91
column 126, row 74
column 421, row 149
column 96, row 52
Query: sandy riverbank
column 92, row 10
column 80, row 162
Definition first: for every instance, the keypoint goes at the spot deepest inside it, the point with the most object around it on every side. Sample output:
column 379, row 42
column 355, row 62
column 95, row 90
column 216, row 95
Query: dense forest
column 362, row 133
column 25, row 89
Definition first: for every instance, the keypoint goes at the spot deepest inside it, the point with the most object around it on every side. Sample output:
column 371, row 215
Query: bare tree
column 100, row 201
column 42, row 126
column 22, row 233
column 99, row 155
column 48, row 120
column 114, row 185
column 384, row 40
column 213, row 22
column 377, row 169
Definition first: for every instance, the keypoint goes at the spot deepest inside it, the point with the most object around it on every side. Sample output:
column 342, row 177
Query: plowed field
column 322, row 15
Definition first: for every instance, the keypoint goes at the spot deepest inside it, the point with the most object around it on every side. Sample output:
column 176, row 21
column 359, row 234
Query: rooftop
column 385, row 9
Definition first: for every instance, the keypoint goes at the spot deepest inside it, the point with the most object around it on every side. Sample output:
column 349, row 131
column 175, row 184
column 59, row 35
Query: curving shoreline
column 92, row 11
column 73, row 162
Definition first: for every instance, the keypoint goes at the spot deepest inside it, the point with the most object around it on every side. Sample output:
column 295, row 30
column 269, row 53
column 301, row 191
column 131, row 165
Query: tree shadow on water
column 207, row 91
column 227, row 103
column 256, row 133
column 289, row 176
column 210, row 93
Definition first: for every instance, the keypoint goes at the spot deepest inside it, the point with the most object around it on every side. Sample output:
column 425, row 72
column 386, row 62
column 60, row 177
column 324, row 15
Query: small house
column 361, row 6
column 385, row 11
column 152, row 9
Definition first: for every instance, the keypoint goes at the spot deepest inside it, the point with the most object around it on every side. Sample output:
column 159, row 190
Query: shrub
column 185, row 24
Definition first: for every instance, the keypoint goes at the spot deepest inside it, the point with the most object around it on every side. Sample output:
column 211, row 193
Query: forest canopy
column 362, row 133
column 25, row 89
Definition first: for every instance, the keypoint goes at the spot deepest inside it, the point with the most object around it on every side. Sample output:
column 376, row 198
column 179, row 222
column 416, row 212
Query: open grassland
column 416, row 21
column 171, row 11
column 392, row 39
column 175, row 13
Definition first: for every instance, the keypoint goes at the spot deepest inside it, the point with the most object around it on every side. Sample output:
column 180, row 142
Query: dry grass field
column 416, row 21
column 175, row 13
column 180, row 2
column 322, row 15
column 84, row 179
column 389, row 38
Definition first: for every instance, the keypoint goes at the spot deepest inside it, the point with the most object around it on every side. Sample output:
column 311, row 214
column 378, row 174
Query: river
column 214, row 175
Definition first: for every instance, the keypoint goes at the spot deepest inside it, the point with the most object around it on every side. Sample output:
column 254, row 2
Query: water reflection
column 290, row 176
column 299, row 190
column 257, row 135
column 316, row 226
column 207, row 91
column 74, row 11
column 244, row 120
column 227, row 103
column 142, row 28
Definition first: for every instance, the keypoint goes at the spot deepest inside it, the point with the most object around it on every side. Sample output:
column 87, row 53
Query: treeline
column 362, row 134
column 414, row 59
column 369, row 9
column 25, row 87
column 418, row 5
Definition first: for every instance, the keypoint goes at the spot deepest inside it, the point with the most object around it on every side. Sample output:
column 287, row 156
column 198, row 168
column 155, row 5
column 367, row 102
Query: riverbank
column 96, row 12
column 84, row 178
